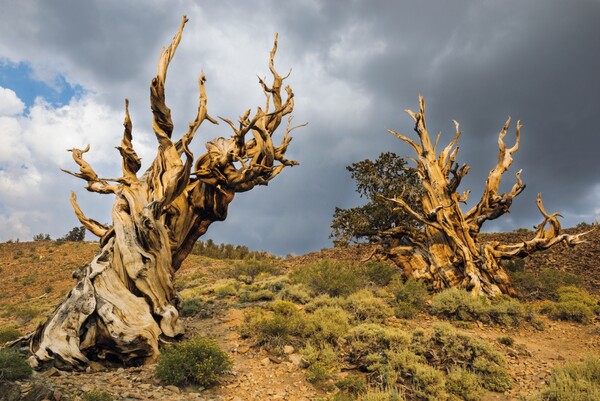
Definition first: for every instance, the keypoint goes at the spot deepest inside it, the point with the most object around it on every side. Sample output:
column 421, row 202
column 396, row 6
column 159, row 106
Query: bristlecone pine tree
column 124, row 299
column 448, row 253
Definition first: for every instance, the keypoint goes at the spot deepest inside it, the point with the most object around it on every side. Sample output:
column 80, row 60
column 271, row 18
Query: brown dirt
column 37, row 276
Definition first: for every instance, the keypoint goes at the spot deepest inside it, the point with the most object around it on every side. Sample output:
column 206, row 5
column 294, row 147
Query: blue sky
column 19, row 77
column 356, row 65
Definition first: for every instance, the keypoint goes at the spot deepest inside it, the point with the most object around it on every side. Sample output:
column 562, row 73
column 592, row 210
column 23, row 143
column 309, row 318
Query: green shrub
column 197, row 362
column 329, row 277
column 225, row 291
column 248, row 270
column 411, row 298
column 365, row 307
column 9, row 333
column 254, row 296
column 328, row 324
column 464, row 384
column 507, row 340
column 571, row 293
column 352, row 384
column 412, row 292
column 570, row 311
column 403, row 366
column 457, row 304
column 574, row 304
column 380, row 273
column 574, row 382
column 277, row 327
column 448, row 347
column 97, row 395
column 13, row 365
column 298, row 293
column 322, row 362
column 543, row 285
column 194, row 306
column 366, row 344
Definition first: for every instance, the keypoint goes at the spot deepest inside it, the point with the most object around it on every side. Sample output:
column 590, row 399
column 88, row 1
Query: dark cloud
column 356, row 66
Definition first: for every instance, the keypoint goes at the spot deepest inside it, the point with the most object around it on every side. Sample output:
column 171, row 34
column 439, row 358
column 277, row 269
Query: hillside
column 35, row 276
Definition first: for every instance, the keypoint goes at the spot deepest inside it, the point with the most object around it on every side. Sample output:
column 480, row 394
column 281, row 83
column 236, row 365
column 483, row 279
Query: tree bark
column 124, row 301
column 448, row 252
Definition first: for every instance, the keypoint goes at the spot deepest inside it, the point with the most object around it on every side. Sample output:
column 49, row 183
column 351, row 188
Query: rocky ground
column 28, row 270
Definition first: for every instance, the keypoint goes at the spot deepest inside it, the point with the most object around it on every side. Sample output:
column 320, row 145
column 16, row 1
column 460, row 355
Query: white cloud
column 10, row 104
column 35, row 145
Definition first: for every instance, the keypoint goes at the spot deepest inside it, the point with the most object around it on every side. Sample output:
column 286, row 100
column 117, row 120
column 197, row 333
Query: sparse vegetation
column 574, row 304
column 13, row 365
column 8, row 333
column 330, row 277
column 455, row 304
column 197, row 362
column 543, row 285
column 574, row 382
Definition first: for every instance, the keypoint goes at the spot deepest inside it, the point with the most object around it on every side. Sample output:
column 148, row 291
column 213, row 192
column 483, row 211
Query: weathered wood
column 448, row 253
column 124, row 299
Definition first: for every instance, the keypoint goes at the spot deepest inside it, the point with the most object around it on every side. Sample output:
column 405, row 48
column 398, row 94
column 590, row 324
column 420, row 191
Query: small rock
column 243, row 349
column 173, row 389
column 288, row 349
column 265, row 361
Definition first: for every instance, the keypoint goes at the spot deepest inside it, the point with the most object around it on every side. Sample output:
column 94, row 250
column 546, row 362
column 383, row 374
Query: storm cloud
column 355, row 66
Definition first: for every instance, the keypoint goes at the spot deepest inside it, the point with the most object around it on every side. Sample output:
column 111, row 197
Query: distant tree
column 387, row 177
column 42, row 237
column 77, row 234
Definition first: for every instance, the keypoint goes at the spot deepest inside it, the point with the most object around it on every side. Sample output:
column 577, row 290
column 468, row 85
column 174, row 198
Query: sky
column 66, row 67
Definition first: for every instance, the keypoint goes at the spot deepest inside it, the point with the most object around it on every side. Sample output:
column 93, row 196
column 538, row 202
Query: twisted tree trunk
column 448, row 252
column 124, row 299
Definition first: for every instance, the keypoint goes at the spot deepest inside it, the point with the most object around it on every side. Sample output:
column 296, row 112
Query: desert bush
column 411, row 298
column 322, row 361
column 276, row 327
column 420, row 380
column 9, row 333
column 365, row 307
column 352, row 384
column 197, row 362
column 225, row 291
column 464, row 384
column 13, row 365
column 574, row 382
column 254, row 296
column 329, row 277
column 380, row 273
column 249, row 270
column 543, row 285
column 97, row 395
column 366, row 344
column 456, row 304
column 448, row 347
column 298, row 293
column 574, row 304
column 324, row 300
column 570, row 311
column 197, row 307
column 506, row 340
column 327, row 324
